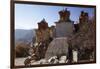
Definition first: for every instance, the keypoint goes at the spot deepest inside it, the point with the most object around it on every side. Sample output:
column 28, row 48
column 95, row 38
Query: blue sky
column 27, row 16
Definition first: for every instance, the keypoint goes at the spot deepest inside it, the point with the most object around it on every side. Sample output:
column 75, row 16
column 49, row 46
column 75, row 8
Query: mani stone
column 64, row 29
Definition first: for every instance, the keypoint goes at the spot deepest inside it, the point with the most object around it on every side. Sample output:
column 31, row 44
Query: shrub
column 21, row 50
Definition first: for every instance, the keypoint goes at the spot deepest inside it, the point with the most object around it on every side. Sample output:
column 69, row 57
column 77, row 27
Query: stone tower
column 42, row 33
column 64, row 26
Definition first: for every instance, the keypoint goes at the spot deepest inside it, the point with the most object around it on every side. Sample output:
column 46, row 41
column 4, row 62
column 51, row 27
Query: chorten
column 64, row 26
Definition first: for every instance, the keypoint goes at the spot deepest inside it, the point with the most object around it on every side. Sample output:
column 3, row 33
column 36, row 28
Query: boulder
column 53, row 60
column 62, row 59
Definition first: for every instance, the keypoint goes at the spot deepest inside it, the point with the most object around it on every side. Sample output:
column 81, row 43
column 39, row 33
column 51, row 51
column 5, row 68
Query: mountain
column 22, row 35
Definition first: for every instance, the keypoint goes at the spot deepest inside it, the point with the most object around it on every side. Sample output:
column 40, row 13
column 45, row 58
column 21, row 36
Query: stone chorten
column 64, row 26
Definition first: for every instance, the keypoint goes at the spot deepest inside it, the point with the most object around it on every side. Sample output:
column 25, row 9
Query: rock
column 27, row 61
column 62, row 59
column 53, row 60
column 54, row 57
column 30, row 59
column 43, row 61
column 35, row 63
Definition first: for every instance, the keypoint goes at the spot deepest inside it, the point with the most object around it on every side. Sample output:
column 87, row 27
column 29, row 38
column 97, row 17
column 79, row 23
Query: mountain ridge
column 24, row 35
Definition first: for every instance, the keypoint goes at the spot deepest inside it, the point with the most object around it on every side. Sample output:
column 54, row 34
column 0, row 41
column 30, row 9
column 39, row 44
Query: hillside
column 24, row 35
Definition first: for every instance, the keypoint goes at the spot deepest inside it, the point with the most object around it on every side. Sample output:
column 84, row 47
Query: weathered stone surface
column 62, row 59
column 53, row 60
column 57, row 47
column 64, row 29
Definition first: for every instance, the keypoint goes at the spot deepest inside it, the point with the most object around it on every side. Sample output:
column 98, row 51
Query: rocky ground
column 20, row 61
column 52, row 60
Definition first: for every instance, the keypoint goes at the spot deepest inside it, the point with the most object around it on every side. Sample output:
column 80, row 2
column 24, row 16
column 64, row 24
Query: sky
column 27, row 16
